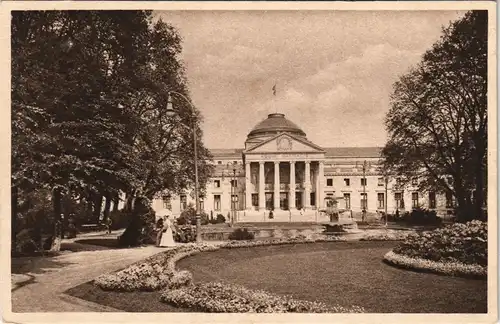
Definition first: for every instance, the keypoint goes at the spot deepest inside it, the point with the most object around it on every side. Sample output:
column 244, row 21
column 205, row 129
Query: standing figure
column 159, row 228
column 109, row 222
column 167, row 238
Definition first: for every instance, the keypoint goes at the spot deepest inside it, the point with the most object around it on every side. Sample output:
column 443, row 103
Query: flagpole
column 274, row 98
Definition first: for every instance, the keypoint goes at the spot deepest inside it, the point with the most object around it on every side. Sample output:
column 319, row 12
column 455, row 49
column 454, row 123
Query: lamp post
column 233, row 190
column 385, row 203
column 171, row 112
column 364, row 192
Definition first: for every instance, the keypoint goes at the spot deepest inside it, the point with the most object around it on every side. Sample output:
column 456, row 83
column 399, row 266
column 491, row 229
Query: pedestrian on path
column 167, row 237
column 109, row 222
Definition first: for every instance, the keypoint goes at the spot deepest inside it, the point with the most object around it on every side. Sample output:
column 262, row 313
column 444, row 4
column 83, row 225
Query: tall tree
column 89, row 95
column 438, row 121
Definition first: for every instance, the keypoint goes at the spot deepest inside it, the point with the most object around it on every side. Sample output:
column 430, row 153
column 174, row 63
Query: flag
column 274, row 90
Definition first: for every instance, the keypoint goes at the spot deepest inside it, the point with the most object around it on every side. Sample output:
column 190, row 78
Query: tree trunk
column 56, row 201
column 480, row 195
column 13, row 223
column 90, row 207
column 116, row 201
column 97, row 208
column 107, row 207
column 129, row 201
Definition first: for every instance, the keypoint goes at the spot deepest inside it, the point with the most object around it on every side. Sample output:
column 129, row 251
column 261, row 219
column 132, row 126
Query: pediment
column 285, row 143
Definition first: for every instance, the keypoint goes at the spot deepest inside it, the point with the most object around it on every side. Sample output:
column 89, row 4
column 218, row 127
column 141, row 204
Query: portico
column 284, row 172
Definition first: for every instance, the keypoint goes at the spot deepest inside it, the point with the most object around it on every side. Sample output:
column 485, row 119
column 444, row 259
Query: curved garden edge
column 457, row 269
column 159, row 273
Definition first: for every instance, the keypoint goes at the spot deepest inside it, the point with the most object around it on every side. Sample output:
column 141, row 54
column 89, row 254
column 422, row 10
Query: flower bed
column 457, row 243
column 446, row 268
column 151, row 274
column 387, row 235
column 158, row 272
column 227, row 298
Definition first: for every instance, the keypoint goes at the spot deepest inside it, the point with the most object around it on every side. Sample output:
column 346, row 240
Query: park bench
column 91, row 227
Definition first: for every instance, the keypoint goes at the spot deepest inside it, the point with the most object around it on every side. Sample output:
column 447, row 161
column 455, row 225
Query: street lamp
column 172, row 112
column 386, row 181
column 233, row 179
column 364, row 191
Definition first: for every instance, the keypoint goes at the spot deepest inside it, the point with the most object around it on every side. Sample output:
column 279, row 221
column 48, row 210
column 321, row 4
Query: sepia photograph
column 252, row 161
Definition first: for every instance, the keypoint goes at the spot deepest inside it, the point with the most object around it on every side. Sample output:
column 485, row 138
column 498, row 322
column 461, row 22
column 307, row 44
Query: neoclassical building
column 280, row 170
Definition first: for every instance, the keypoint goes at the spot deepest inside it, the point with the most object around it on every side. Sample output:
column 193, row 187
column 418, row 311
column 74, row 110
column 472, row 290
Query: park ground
column 344, row 273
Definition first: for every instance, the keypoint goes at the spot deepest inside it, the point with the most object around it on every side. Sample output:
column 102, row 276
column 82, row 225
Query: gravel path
column 40, row 287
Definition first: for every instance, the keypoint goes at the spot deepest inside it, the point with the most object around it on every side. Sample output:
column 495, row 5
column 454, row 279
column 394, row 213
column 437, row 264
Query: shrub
column 465, row 243
column 240, row 234
column 141, row 229
column 185, row 234
column 27, row 241
column 120, row 219
column 188, row 216
column 217, row 297
column 421, row 216
column 220, row 219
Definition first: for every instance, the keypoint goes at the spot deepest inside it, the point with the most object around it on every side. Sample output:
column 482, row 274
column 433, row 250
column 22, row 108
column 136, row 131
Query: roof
column 364, row 152
column 276, row 123
column 299, row 139
column 226, row 153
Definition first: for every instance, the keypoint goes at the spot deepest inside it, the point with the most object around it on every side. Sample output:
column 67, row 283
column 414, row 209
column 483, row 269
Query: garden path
column 49, row 277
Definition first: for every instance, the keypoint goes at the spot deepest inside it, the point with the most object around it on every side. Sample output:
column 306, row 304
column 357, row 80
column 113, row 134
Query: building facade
column 280, row 175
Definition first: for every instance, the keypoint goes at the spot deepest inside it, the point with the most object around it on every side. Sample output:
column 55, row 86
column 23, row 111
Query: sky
column 333, row 70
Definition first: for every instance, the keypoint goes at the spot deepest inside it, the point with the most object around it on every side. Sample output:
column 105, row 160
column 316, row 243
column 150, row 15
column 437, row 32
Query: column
column 262, row 192
column 307, row 186
column 320, row 186
column 276, row 185
column 248, row 186
column 291, row 196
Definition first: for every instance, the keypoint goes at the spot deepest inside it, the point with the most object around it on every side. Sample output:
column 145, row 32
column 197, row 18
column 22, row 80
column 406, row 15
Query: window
column 167, row 202
column 414, row 182
column 312, row 196
column 380, row 182
column 380, row 200
column 347, row 182
column 329, row 182
column 255, row 200
column 449, row 200
column 217, row 202
column 183, row 202
column 414, row 199
column 432, row 199
column 363, row 181
column 398, row 197
column 234, row 201
column 202, row 204
column 234, row 183
column 347, row 199
column 219, row 162
column 364, row 201
column 235, row 162
column 217, row 183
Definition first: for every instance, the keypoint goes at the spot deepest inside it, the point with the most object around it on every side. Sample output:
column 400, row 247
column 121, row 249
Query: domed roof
column 274, row 124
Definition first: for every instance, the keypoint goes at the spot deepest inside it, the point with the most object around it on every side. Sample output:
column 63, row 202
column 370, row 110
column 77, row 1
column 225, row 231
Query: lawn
column 344, row 273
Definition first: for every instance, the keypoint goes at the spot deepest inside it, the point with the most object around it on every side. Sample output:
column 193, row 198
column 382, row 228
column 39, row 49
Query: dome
column 274, row 124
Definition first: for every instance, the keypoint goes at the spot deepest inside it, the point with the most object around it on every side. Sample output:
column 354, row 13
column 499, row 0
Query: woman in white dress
column 167, row 238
